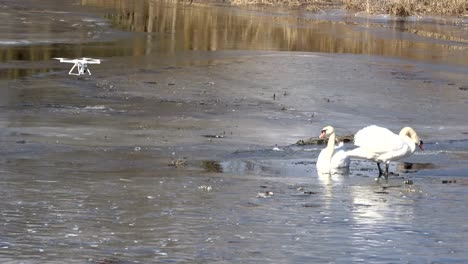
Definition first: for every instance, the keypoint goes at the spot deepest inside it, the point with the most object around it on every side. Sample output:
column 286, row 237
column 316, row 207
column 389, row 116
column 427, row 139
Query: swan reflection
column 336, row 175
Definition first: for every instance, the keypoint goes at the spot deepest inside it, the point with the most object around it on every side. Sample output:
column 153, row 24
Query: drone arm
column 67, row 61
column 71, row 70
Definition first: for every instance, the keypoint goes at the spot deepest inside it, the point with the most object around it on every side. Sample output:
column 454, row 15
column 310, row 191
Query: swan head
column 327, row 131
column 410, row 133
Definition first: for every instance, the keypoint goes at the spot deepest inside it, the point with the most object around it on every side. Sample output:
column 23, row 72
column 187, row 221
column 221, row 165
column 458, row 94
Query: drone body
column 81, row 65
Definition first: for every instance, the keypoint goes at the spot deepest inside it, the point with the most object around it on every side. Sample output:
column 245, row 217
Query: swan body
column 332, row 159
column 383, row 146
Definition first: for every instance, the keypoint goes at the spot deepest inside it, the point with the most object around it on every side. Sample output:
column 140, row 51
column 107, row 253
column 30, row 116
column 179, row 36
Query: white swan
column 382, row 145
column 332, row 159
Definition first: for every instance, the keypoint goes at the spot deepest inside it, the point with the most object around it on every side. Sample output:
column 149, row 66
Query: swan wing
column 339, row 146
column 338, row 164
column 322, row 163
column 340, row 159
column 378, row 140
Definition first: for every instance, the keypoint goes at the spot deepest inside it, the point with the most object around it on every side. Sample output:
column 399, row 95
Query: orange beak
column 323, row 134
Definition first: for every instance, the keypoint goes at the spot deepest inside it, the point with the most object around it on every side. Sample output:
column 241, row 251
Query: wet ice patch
column 95, row 107
column 266, row 167
column 78, row 109
column 15, row 42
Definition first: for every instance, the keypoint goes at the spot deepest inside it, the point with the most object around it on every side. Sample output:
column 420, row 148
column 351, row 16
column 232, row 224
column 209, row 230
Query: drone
column 80, row 64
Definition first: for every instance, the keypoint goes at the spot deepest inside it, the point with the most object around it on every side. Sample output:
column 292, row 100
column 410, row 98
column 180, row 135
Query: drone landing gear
column 81, row 69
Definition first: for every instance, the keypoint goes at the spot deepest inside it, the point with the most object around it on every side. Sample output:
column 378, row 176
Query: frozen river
column 180, row 148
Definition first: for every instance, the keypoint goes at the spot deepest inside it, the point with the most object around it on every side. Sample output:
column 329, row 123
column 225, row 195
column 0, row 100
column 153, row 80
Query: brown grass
column 394, row 7
column 410, row 7
column 308, row 4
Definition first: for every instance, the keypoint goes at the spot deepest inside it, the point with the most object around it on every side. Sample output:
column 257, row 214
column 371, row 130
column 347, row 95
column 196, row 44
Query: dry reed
column 410, row 7
column 309, row 4
column 394, row 7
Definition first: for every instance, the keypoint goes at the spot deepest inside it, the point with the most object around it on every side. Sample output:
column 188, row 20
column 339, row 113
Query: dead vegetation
column 393, row 7
column 319, row 141
column 410, row 7
column 313, row 5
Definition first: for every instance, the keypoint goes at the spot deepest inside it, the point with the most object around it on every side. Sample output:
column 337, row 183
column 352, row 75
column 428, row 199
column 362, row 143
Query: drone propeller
column 92, row 60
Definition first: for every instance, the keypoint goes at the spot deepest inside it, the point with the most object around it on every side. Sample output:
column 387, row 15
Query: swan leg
column 386, row 170
column 380, row 169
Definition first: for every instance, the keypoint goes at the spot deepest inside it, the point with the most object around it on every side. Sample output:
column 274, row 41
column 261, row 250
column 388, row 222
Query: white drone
column 80, row 64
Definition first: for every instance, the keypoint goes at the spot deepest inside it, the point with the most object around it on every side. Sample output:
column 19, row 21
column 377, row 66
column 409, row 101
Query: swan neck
column 410, row 142
column 403, row 132
column 331, row 146
column 409, row 133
